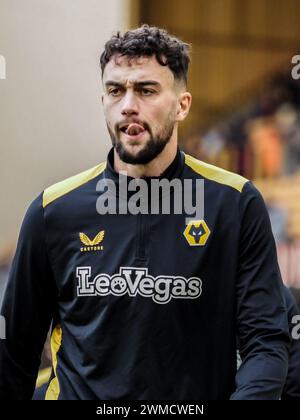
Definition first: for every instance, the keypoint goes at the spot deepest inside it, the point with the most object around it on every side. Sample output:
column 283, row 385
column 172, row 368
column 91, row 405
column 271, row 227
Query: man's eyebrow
column 136, row 83
column 112, row 83
column 147, row 83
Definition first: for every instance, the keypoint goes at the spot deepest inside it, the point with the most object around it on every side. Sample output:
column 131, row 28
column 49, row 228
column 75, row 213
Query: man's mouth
column 132, row 129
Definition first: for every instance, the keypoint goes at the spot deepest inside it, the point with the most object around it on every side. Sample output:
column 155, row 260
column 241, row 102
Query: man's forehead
column 133, row 69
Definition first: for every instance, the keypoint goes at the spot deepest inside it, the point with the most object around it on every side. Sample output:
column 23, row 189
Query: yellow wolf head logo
column 197, row 233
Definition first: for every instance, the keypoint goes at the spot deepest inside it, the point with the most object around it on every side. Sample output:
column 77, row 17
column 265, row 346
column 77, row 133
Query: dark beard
column 150, row 151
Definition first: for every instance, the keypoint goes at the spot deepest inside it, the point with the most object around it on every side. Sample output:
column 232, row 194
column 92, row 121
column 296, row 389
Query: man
column 146, row 305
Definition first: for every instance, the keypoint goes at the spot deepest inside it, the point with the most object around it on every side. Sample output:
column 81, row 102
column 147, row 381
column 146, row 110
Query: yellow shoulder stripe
column 216, row 174
column 63, row 187
column 53, row 390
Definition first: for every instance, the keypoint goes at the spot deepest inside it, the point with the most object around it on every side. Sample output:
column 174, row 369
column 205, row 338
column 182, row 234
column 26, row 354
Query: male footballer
column 146, row 304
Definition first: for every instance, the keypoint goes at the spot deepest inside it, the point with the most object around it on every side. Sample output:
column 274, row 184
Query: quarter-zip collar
column 174, row 170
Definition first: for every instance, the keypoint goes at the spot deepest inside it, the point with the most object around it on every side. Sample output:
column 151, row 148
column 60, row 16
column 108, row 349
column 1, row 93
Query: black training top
column 145, row 306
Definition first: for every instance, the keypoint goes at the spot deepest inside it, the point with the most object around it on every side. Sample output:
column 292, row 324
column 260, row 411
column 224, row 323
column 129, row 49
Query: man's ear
column 183, row 105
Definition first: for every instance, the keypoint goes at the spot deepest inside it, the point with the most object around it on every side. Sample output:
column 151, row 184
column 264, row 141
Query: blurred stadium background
column 246, row 105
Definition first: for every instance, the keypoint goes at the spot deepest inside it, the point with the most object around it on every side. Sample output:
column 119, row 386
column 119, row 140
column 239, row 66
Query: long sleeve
column 291, row 390
column 262, row 325
column 27, row 307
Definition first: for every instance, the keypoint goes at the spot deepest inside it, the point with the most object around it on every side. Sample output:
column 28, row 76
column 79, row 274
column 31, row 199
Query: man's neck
column 152, row 169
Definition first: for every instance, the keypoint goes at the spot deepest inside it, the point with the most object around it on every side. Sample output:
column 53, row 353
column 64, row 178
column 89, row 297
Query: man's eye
column 147, row 92
column 114, row 92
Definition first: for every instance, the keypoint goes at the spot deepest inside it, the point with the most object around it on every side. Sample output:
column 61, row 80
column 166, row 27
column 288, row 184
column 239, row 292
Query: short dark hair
column 148, row 41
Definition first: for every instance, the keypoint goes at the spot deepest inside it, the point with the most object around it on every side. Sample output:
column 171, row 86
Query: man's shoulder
column 216, row 174
column 67, row 185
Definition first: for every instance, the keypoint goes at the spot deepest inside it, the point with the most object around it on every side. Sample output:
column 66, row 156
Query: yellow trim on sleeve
column 53, row 388
column 43, row 377
column 216, row 174
column 63, row 187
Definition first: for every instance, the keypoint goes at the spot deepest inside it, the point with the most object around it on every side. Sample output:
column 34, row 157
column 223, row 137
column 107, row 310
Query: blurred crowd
column 262, row 139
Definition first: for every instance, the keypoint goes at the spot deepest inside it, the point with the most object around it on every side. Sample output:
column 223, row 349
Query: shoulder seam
column 62, row 188
column 213, row 173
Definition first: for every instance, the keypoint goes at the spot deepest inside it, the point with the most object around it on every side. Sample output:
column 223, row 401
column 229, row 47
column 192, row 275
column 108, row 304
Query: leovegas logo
column 133, row 281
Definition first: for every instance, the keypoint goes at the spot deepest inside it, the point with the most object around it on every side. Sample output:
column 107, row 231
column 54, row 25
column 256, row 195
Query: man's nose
column 129, row 105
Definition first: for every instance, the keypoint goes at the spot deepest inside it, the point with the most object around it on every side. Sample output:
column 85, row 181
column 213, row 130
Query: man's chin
column 133, row 154
column 134, row 148
column 137, row 154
